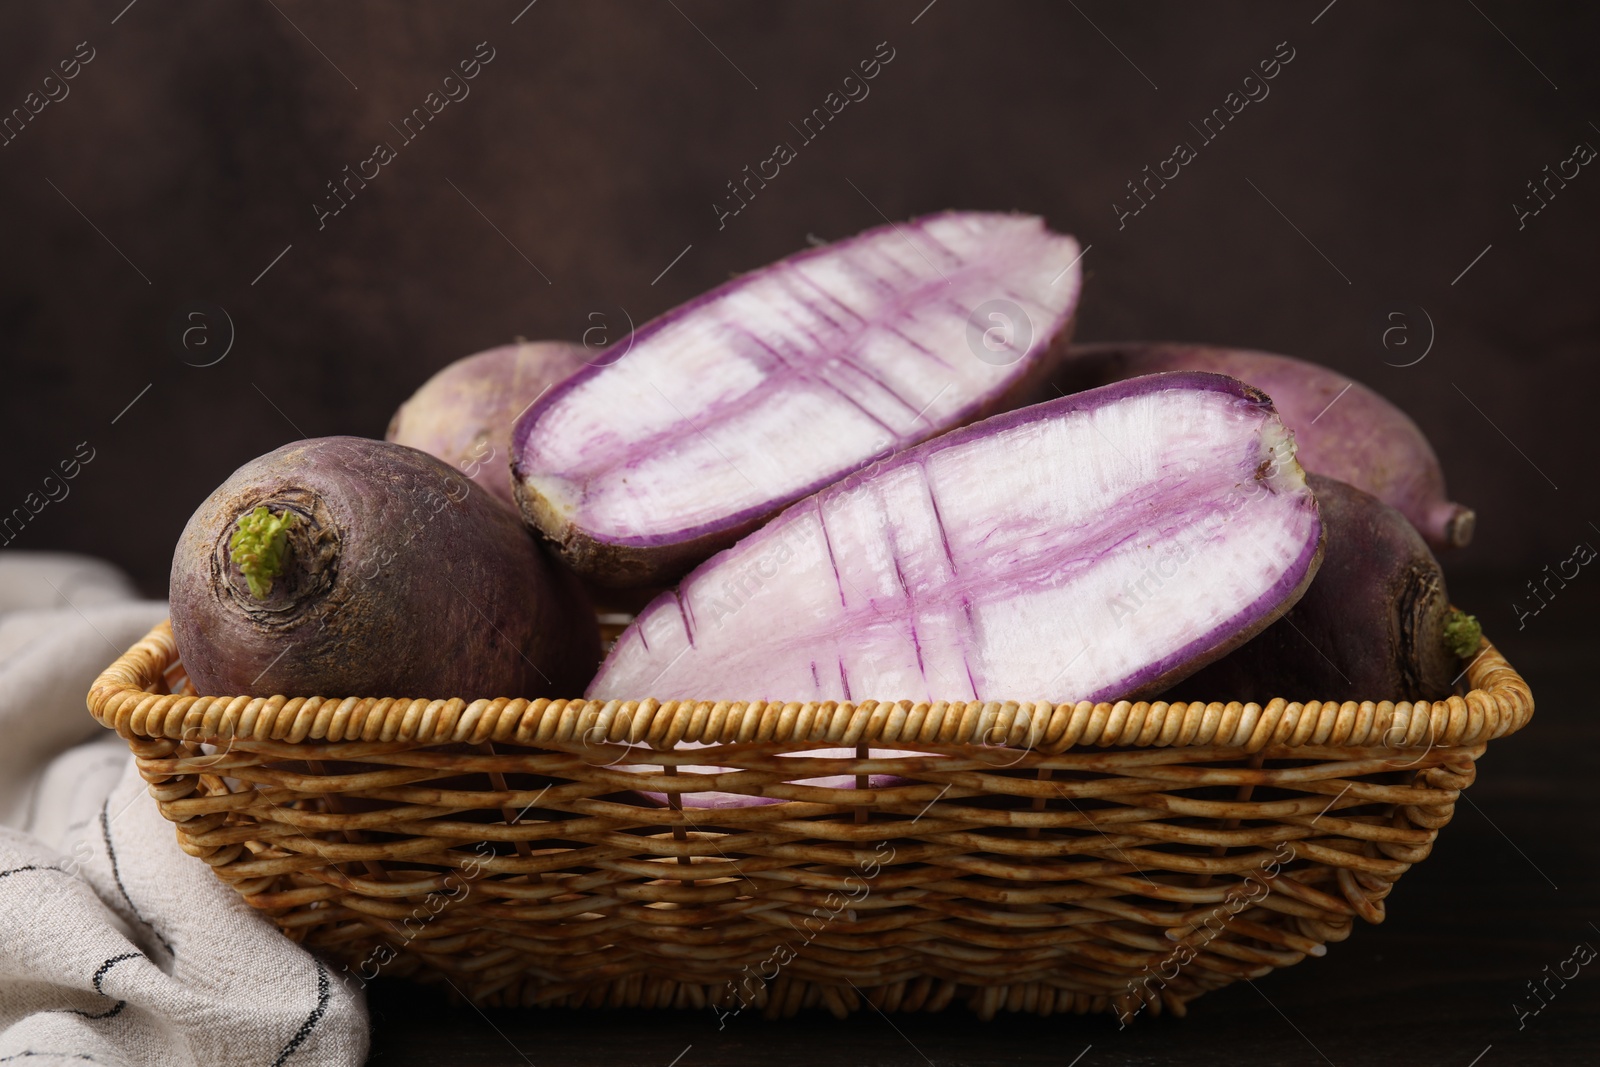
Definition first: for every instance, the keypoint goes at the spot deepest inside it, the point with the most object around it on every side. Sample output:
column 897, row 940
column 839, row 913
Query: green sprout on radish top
column 258, row 546
column 1462, row 634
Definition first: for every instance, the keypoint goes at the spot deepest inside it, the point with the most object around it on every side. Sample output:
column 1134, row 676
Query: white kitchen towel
column 116, row 947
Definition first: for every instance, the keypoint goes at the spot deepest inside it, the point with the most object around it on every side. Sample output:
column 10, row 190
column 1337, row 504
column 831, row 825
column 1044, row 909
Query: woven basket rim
column 127, row 698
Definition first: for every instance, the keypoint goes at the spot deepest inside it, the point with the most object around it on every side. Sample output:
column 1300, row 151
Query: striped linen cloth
column 116, row 948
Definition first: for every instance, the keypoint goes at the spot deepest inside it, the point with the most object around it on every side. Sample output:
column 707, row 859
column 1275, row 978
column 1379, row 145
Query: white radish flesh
column 786, row 379
column 1096, row 547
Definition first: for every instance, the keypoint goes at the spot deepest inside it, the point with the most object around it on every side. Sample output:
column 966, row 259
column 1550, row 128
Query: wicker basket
column 1086, row 858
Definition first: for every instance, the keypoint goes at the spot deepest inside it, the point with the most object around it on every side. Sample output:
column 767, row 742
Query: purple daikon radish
column 1343, row 429
column 340, row 566
column 463, row 414
column 786, row 379
column 1096, row 547
column 1377, row 623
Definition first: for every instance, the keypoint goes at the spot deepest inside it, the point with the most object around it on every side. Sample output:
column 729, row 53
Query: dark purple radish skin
column 1376, row 623
column 397, row 577
column 1342, row 428
column 785, row 380
column 463, row 414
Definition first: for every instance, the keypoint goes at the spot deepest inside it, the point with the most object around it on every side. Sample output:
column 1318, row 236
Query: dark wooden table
column 1510, row 890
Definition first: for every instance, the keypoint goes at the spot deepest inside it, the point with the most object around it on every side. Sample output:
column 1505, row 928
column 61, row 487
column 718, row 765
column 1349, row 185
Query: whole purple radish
column 1342, row 428
column 1376, row 623
column 342, row 566
column 785, row 380
column 1095, row 547
column 463, row 414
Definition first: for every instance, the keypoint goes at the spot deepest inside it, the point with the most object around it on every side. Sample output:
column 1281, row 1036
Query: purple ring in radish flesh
column 1375, row 625
column 785, row 380
column 1096, row 547
column 1343, row 429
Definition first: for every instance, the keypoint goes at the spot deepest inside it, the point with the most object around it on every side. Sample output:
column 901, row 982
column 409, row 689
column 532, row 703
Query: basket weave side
column 130, row 698
column 1028, row 857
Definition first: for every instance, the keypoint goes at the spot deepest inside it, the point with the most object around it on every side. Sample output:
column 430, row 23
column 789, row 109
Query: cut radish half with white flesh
column 1091, row 548
column 784, row 380
column 1097, row 547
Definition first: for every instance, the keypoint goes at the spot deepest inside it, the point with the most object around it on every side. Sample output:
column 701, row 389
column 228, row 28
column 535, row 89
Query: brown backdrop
column 188, row 153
